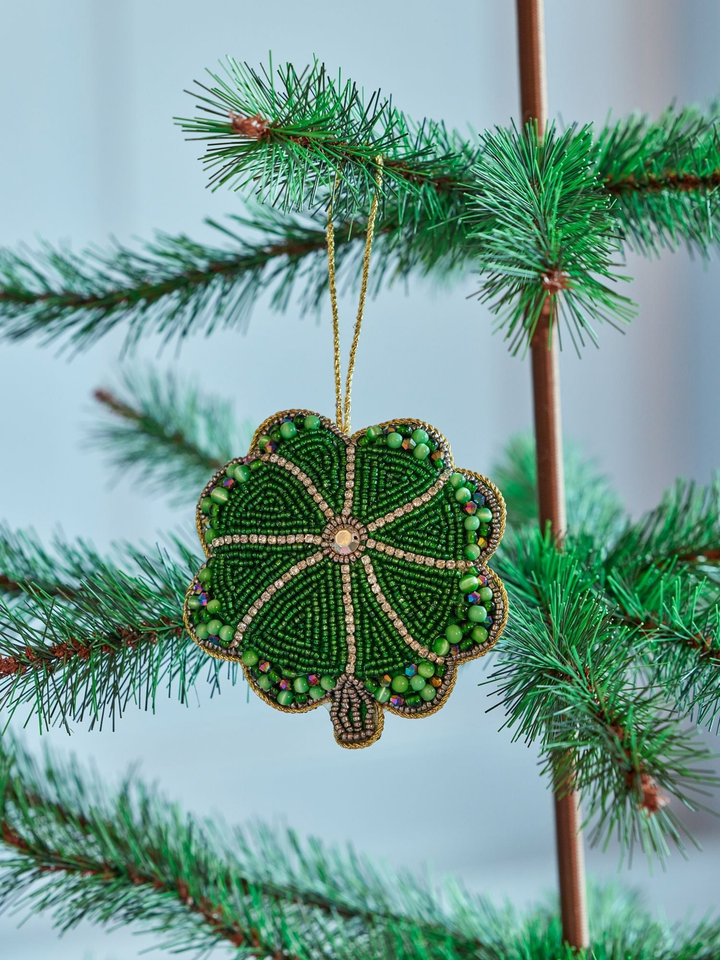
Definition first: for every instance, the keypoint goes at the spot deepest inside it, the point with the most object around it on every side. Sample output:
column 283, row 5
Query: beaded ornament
column 348, row 570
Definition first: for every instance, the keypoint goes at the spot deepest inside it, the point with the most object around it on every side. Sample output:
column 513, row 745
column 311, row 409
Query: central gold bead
column 343, row 538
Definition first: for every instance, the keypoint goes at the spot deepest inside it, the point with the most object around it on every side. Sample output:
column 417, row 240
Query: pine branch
column 663, row 175
column 80, row 852
column 170, row 434
column 289, row 136
column 568, row 676
column 95, row 634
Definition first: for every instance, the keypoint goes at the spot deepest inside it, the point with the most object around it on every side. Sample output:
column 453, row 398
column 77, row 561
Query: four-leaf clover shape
column 348, row 570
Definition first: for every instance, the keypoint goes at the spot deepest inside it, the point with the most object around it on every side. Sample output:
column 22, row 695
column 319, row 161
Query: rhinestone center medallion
column 345, row 539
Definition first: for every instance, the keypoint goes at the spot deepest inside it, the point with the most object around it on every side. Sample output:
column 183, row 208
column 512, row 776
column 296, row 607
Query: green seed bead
column 428, row 693
column 420, row 436
column 214, row 606
column 285, row 698
column 472, row 551
column 373, row 432
column 241, row 473
column 328, row 683
column 400, row 683
column 479, row 634
column 219, row 495
column 417, row 682
column 250, row 658
column 288, row 430
column 421, row 451
column 394, row 440
column 477, row 614
column 471, row 523
column 264, row 682
column 486, row 594
column 194, row 603
column 463, row 495
column 201, row 631
column 205, row 575
column 453, row 633
column 301, row 685
column 316, row 693
column 484, row 515
column 206, row 504
column 214, row 627
column 226, row 633
column 426, row 669
column 382, row 694
column 311, row 422
column 469, row 584
column 442, row 646
column 457, row 480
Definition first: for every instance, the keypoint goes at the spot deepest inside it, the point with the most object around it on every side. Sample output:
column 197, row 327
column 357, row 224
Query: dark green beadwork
column 348, row 570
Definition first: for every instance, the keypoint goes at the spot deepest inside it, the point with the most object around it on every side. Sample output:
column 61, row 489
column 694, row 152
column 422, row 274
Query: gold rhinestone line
column 393, row 616
column 349, row 479
column 418, row 558
column 349, row 620
column 267, row 539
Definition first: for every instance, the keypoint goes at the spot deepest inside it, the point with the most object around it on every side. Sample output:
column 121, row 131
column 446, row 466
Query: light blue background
column 89, row 150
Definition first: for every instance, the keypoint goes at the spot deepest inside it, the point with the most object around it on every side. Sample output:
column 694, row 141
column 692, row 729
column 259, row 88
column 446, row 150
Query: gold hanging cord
column 342, row 417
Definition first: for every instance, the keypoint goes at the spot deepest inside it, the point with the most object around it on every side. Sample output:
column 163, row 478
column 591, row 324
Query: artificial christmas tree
column 612, row 642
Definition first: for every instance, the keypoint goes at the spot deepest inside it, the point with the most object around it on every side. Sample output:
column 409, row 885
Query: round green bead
column 263, row 441
column 250, row 658
column 477, row 614
column 420, row 436
column 421, row 451
column 472, row 551
column 214, row 606
column 206, row 504
column 479, row 634
column 457, row 479
column 301, row 685
column 193, row 603
column 484, row 515
column 471, row 523
column 285, row 698
column 264, row 682
column 486, row 594
column 428, row 692
column 417, row 682
column 453, row 633
column 226, row 633
column 209, row 534
column 219, row 495
column 462, row 495
column 400, row 683
column 382, row 694
column 311, row 422
column 205, row 575
column 288, row 430
column 426, row 669
column 373, row 432
column 241, row 473
column 316, row 693
column 201, row 631
column 469, row 584
column 328, row 683
column 442, row 645
column 214, row 627
column 394, row 441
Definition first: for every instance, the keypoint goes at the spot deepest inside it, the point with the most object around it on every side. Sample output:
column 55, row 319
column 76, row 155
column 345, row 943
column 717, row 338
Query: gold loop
column 343, row 418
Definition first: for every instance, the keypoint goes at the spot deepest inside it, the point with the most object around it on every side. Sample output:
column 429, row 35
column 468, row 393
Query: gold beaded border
column 490, row 491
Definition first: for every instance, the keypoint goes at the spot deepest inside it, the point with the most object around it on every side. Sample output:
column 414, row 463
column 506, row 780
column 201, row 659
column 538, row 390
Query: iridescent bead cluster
column 348, row 569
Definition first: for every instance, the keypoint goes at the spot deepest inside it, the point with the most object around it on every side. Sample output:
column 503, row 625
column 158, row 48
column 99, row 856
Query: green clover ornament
column 348, row 571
